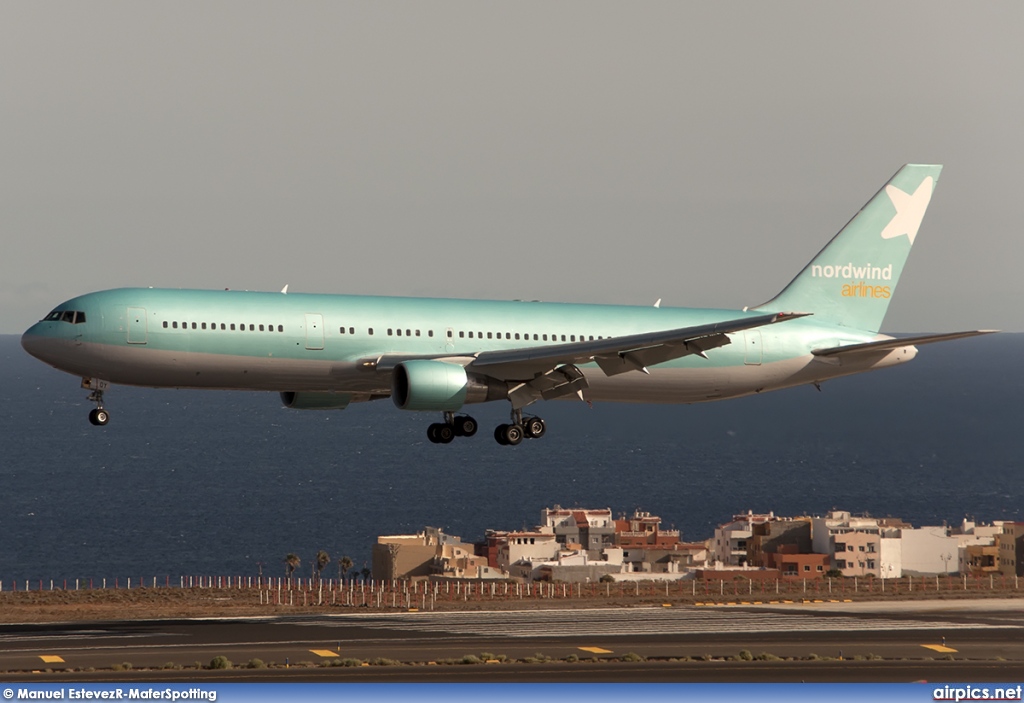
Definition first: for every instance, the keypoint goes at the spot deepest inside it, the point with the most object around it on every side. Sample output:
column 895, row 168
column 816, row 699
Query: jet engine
column 424, row 384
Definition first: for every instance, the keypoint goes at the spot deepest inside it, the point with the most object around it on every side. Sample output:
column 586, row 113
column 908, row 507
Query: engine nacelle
column 422, row 384
column 315, row 400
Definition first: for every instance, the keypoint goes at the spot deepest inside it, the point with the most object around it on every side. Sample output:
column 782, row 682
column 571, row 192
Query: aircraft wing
column 550, row 371
column 617, row 355
column 887, row 344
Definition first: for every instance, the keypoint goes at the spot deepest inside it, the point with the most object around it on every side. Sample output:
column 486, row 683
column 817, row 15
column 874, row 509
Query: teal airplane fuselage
column 327, row 351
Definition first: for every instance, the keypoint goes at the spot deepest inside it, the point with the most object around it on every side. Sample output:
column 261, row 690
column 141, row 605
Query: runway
column 938, row 640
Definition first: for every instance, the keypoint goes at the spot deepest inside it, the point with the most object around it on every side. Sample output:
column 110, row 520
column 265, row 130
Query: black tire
column 99, row 417
column 445, row 433
column 499, row 435
column 465, row 426
column 534, row 427
column 432, row 433
column 513, row 434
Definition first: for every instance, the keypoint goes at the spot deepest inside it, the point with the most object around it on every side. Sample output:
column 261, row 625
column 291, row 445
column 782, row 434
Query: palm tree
column 292, row 562
column 322, row 560
column 344, row 564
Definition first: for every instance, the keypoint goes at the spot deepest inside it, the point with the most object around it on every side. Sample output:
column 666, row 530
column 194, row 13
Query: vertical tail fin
column 851, row 281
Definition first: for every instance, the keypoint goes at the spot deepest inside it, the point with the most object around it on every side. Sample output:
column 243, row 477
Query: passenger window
column 488, row 335
column 417, row 333
column 508, row 335
column 399, row 332
column 545, row 337
column 165, row 324
column 232, row 326
column 261, row 328
column 408, row 333
column 517, row 335
column 204, row 325
column 449, row 333
column 280, row 328
column 535, row 338
column 193, row 325
column 471, row 334
column 462, row 335
column 430, row 333
column 252, row 328
column 343, row 330
column 563, row 337
column 370, row 331
column 390, row 331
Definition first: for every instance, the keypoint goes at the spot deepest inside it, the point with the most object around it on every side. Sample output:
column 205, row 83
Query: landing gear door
column 314, row 331
column 137, row 325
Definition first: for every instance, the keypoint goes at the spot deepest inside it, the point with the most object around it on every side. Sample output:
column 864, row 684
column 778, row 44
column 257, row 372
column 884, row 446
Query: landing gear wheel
column 99, row 416
column 445, row 433
column 499, row 435
column 465, row 426
column 512, row 434
column 534, row 427
column 440, row 433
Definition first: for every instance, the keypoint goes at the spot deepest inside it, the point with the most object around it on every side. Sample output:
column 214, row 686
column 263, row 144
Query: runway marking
column 324, row 652
column 595, row 650
column 939, row 648
column 51, row 659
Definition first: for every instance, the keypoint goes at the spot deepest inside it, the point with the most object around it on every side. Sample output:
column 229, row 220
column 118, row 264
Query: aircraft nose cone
column 36, row 343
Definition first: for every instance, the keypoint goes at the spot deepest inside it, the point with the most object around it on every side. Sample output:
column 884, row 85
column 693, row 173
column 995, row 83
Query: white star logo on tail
column 909, row 209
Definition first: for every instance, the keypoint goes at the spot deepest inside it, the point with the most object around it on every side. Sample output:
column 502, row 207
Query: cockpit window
column 75, row 317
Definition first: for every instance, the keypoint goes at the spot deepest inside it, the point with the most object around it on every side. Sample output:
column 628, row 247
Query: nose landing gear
column 97, row 416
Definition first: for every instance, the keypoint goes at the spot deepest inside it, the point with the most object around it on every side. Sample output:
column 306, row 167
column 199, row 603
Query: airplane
column 440, row 355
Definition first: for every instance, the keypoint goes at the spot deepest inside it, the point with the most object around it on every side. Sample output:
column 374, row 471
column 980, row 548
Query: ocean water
column 199, row 482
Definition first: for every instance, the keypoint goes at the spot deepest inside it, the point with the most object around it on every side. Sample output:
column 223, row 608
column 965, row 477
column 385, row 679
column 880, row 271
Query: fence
column 428, row 594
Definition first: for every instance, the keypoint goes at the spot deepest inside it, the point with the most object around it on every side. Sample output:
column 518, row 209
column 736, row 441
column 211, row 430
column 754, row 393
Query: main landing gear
column 509, row 435
column 521, row 428
column 452, row 427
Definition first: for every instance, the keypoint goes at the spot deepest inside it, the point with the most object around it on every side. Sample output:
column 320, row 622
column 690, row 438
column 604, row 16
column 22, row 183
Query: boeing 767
column 440, row 355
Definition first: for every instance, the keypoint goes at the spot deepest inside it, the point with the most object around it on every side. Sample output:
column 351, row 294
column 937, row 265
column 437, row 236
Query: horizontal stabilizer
column 886, row 344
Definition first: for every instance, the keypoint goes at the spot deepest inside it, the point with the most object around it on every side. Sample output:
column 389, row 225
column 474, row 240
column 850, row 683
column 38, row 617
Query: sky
column 605, row 152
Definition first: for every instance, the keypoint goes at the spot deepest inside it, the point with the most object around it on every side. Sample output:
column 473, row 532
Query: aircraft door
column 314, row 331
column 137, row 330
column 752, row 348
